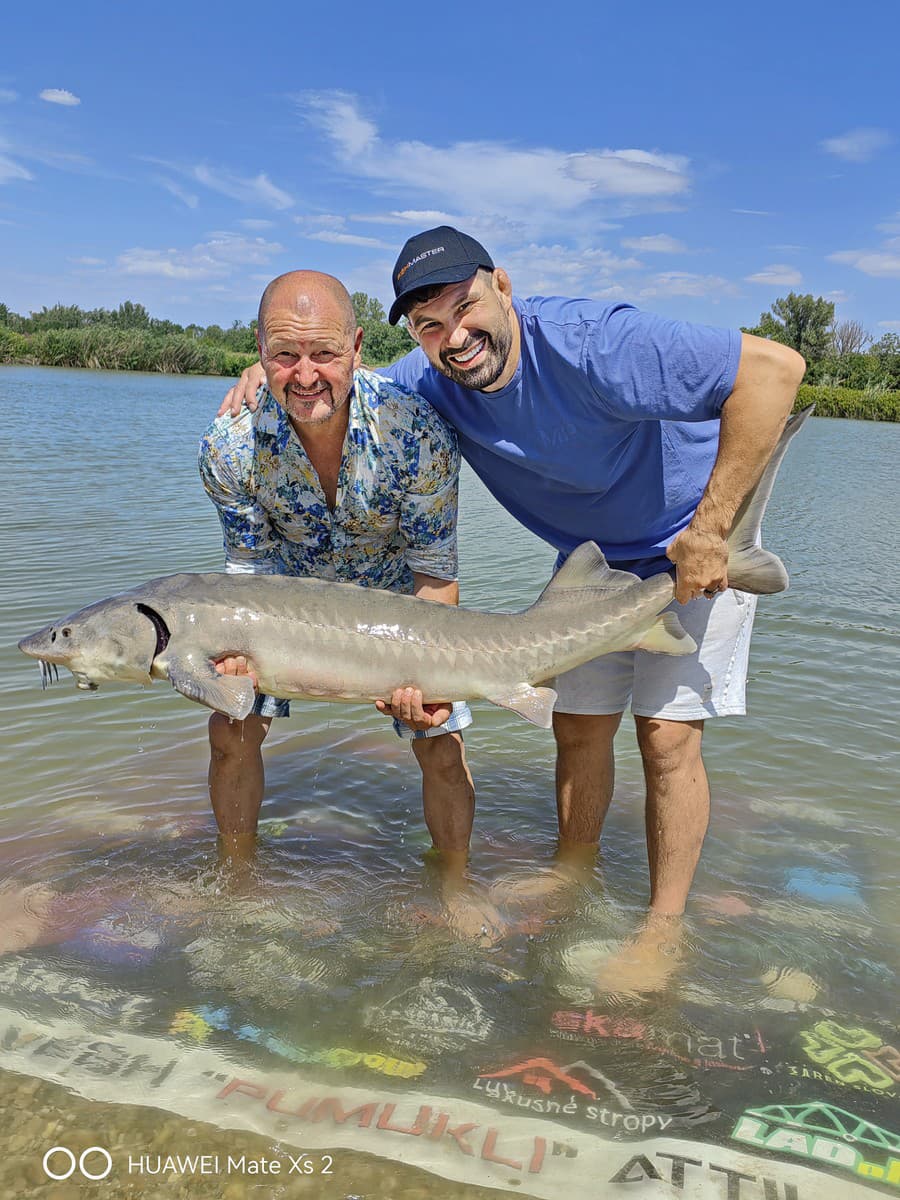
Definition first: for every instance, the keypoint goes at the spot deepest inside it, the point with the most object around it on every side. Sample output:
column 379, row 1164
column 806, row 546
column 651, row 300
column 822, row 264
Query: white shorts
column 711, row 682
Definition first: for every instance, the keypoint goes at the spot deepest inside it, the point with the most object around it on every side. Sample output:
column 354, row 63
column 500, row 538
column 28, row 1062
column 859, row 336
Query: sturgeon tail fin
column 750, row 568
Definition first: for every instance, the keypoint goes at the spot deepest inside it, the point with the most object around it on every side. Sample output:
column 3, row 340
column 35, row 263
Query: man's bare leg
column 585, row 774
column 448, row 802
column 677, row 813
column 237, row 778
column 448, row 794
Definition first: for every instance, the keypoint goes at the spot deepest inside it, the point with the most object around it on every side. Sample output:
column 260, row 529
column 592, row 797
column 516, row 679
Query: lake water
column 320, row 1004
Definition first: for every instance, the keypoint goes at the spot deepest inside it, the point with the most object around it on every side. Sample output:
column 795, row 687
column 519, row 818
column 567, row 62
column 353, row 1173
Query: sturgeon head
column 114, row 639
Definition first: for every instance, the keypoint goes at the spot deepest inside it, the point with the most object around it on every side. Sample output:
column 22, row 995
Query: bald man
column 338, row 474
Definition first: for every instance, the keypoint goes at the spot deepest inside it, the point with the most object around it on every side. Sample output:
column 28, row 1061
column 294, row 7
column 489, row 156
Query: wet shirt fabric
column 608, row 431
column 396, row 504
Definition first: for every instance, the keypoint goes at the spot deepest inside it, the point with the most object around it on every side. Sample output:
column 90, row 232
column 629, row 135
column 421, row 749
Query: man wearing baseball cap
column 595, row 421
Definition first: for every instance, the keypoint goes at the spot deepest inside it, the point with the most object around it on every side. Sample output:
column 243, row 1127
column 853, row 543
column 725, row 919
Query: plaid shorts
column 459, row 719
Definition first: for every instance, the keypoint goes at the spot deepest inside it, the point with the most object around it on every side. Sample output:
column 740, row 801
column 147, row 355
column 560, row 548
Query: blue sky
column 699, row 160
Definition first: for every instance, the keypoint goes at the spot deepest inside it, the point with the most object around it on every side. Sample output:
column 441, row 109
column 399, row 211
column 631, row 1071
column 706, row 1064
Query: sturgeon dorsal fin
column 587, row 568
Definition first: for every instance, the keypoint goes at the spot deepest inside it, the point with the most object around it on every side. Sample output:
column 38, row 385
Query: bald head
column 310, row 346
column 308, row 293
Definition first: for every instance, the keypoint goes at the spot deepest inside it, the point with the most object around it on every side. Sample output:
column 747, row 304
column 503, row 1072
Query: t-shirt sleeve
column 251, row 547
column 645, row 367
column 407, row 371
column 428, row 509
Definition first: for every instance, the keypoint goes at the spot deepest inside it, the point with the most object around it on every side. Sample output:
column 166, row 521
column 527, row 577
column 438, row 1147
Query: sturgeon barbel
column 315, row 640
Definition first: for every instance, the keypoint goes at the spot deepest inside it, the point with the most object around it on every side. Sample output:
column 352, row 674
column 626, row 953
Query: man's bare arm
column 753, row 417
column 244, row 391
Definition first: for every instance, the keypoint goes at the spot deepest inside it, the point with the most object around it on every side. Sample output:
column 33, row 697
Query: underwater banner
column 772, row 1105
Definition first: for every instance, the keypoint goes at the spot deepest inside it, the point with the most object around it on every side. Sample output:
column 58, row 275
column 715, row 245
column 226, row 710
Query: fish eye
column 66, row 632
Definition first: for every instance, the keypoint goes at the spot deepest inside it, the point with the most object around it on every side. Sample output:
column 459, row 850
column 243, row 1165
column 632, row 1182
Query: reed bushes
column 104, row 348
column 869, row 404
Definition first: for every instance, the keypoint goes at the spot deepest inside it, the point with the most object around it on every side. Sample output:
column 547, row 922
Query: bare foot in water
column 554, row 886
column 26, row 916
column 474, row 918
column 726, row 905
column 646, row 962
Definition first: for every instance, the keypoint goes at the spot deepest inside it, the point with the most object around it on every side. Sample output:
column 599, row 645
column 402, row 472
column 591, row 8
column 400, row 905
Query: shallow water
column 328, row 967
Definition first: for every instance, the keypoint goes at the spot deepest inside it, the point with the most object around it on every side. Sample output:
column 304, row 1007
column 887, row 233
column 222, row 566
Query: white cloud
column 61, row 160
column 883, row 263
column 176, row 190
column 59, row 96
column 778, row 274
column 257, row 190
column 7, row 96
column 321, row 221
column 86, row 261
column 337, row 115
column 889, row 325
column 494, row 177
column 207, row 260
column 753, row 212
column 857, row 145
column 347, row 239
column 256, row 223
column 630, row 172
column 683, row 283
column 655, row 243
column 425, row 218
column 10, row 170
column 539, row 269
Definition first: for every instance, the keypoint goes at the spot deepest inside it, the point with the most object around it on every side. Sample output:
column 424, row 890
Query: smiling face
column 309, row 346
column 469, row 331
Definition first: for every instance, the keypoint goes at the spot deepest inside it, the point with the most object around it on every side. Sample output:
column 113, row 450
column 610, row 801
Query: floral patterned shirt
column 395, row 510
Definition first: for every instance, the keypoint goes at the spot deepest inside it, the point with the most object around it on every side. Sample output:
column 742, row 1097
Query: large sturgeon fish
column 311, row 639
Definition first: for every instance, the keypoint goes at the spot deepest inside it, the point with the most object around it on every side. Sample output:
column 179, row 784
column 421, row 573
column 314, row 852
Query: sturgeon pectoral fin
column 233, row 695
column 535, row 704
column 666, row 636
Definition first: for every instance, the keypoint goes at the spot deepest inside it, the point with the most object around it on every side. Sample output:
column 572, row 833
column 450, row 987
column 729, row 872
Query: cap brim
column 444, row 275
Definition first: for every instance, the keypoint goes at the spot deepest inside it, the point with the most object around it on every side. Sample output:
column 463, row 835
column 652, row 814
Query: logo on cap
column 412, row 262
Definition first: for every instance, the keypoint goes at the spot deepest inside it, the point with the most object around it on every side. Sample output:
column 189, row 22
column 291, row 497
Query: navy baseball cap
column 442, row 255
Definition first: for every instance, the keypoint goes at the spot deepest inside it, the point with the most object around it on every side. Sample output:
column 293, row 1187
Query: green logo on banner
column 822, row 1133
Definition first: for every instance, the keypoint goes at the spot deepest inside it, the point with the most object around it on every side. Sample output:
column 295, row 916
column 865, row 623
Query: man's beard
column 495, row 355
column 326, row 396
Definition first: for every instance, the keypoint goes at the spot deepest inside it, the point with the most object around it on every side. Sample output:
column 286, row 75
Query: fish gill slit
column 162, row 629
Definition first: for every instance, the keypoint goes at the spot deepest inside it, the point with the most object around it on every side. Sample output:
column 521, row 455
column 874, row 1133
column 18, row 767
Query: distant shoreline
column 851, row 403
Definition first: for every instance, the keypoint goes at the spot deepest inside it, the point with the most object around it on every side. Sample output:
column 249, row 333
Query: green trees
column 841, row 357
column 382, row 343
column 805, row 323
column 127, row 338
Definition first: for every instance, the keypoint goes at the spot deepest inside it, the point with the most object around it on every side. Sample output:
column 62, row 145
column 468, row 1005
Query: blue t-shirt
column 608, row 430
